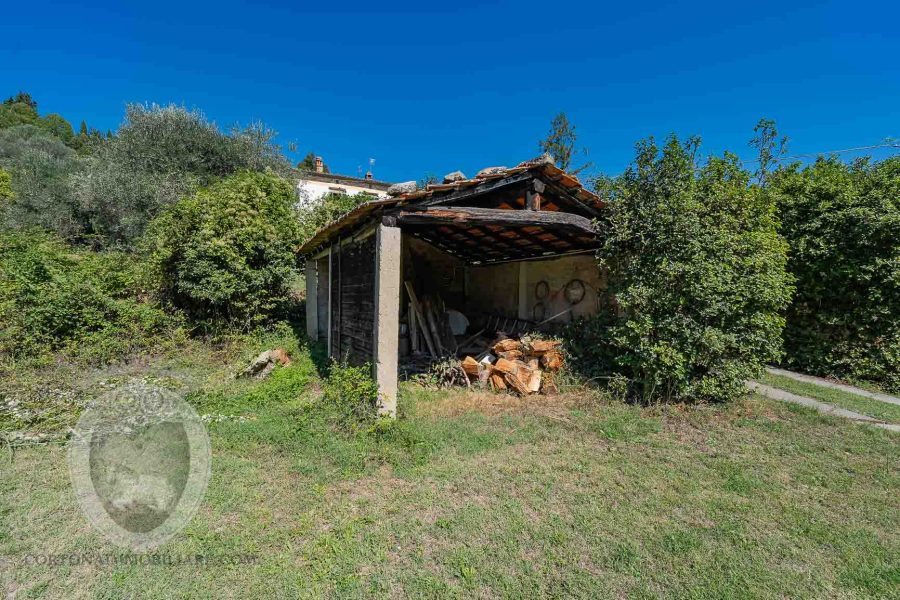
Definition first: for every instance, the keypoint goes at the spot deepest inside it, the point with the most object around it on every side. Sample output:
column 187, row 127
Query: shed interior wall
column 478, row 290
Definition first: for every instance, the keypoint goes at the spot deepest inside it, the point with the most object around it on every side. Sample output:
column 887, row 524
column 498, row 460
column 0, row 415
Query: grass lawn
column 477, row 495
column 874, row 408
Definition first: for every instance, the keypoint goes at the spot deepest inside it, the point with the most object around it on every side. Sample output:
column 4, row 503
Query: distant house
column 312, row 185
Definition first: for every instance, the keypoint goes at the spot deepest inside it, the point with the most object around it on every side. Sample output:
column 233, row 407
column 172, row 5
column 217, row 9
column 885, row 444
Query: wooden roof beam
column 462, row 216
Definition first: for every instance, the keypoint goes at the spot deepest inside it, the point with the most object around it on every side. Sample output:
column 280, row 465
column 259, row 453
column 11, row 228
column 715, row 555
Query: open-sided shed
column 511, row 243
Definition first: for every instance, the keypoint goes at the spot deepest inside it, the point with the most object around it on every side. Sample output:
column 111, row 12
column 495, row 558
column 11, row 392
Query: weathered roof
column 349, row 219
column 542, row 165
column 303, row 175
column 484, row 183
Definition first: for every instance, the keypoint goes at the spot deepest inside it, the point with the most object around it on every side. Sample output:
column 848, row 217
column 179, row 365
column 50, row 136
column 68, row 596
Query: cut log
column 471, row 367
column 513, row 381
column 534, row 364
column 539, row 347
column 484, row 376
column 534, row 382
column 505, row 366
column 497, row 382
column 511, row 355
column 552, row 360
column 506, row 346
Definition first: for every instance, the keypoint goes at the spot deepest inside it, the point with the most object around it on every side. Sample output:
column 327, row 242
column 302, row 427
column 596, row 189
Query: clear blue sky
column 467, row 85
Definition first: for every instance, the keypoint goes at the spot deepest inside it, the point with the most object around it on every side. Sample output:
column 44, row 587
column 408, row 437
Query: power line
column 891, row 144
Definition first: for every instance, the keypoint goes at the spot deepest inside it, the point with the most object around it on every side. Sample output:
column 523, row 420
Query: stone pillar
column 312, row 300
column 387, row 316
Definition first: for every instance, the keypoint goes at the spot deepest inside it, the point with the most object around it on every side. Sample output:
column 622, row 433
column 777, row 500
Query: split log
column 513, row 381
column 552, row 360
column 497, row 382
column 534, row 364
column 539, row 347
column 471, row 366
column 505, row 366
column 511, row 355
column 506, row 345
column 534, row 382
column 484, row 376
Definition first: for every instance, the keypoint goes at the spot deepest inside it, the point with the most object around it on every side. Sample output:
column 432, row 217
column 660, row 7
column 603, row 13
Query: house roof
column 336, row 179
column 501, row 188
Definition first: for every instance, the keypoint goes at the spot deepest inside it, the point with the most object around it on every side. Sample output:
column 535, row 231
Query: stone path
column 835, row 386
column 822, row 407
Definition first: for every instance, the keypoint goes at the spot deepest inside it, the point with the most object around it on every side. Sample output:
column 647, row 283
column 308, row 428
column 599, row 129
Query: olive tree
column 41, row 167
column 159, row 155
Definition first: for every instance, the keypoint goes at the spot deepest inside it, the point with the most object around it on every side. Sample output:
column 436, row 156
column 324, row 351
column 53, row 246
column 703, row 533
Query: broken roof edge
column 542, row 164
column 349, row 218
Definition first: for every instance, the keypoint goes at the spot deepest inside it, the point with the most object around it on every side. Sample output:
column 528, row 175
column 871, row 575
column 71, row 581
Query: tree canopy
column 696, row 270
column 560, row 144
column 159, row 155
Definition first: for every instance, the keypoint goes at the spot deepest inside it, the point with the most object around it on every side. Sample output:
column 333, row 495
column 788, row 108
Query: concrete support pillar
column 312, row 300
column 387, row 316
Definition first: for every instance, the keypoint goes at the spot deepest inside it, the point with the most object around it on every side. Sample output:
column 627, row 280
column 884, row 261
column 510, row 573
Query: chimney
column 320, row 166
column 369, row 175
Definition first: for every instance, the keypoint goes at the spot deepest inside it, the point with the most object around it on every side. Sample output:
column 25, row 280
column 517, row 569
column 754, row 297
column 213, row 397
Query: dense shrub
column 227, row 253
column 41, row 166
column 697, row 271
column 352, row 393
column 52, row 298
column 159, row 155
column 842, row 222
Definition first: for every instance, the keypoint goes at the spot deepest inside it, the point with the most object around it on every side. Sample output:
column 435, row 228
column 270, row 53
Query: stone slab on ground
column 835, row 386
column 822, row 407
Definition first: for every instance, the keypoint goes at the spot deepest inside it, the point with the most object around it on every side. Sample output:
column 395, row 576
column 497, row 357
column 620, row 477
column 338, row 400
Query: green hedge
column 843, row 225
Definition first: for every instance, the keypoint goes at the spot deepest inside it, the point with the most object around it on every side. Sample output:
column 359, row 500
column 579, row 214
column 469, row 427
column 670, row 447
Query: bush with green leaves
column 227, row 254
column 697, row 271
column 90, row 304
column 352, row 393
column 842, row 222
column 159, row 155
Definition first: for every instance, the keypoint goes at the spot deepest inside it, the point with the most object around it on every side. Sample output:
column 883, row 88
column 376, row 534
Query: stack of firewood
column 524, row 366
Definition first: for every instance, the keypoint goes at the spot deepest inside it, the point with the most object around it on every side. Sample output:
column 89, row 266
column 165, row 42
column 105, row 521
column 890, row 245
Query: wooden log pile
column 523, row 366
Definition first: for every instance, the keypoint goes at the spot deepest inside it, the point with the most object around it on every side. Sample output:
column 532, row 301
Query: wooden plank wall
column 353, row 301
